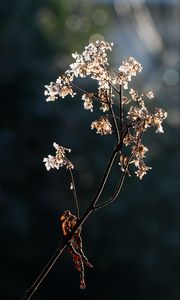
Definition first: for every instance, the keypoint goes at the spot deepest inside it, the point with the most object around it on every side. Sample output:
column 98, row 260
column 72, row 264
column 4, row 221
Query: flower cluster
column 158, row 118
column 59, row 160
column 140, row 119
column 129, row 68
column 102, row 126
column 136, row 158
column 88, row 101
column 139, row 151
column 93, row 62
column 61, row 88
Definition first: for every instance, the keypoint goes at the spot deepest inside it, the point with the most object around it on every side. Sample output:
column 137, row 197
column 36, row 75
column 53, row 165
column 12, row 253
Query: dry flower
column 125, row 100
column 142, row 168
column 59, row 160
column 102, row 126
column 129, row 68
column 158, row 118
column 150, row 95
column 136, row 97
column 88, row 101
column 93, row 62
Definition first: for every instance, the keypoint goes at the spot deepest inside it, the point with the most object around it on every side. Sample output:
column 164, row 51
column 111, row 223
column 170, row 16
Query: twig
column 114, row 196
column 113, row 115
column 84, row 91
column 92, row 207
column 121, row 110
column 74, row 193
column 30, row 292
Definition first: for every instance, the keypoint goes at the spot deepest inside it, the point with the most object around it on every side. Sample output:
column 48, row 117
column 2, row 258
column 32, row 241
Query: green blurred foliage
column 133, row 243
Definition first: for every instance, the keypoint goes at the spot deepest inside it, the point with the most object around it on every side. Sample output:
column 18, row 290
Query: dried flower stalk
column 128, row 126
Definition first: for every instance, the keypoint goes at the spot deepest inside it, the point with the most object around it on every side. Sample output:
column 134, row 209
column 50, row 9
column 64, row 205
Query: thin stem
column 113, row 87
column 113, row 115
column 110, row 82
column 105, row 177
column 30, row 292
column 84, row 91
column 108, row 168
column 115, row 122
column 114, row 196
column 121, row 110
column 110, row 116
column 109, row 104
column 74, row 193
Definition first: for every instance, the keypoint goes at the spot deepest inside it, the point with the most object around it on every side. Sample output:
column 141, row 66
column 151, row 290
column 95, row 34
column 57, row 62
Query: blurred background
column 134, row 243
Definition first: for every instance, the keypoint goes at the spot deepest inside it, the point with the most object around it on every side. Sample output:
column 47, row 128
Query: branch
column 113, row 115
column 121, row 110
column 114, row 122
column 84, row 91
column 30, row 292
column 114, row 196
column 113, row 87
column 138, row 124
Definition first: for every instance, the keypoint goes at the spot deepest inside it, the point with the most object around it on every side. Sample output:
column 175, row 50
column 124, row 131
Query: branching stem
column 85, row 92
column 119, row 187
column 93, row 62
column 92, row 207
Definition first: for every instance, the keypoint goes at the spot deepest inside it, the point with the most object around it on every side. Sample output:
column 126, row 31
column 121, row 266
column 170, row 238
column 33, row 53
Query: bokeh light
column 171, row 77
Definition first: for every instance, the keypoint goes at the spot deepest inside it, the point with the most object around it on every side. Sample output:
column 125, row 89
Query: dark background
column 134, row 243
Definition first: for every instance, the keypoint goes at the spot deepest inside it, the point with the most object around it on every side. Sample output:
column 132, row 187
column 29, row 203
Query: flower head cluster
column 88, row 101
column 93, row 62
column 158, row 118
column 59, row 160
column 129, row 68
column 102, row 126
column 140, row 119
column 61, row 88
column 141, row 169
column 136, row 97
column 136, row 158
column 139, row 152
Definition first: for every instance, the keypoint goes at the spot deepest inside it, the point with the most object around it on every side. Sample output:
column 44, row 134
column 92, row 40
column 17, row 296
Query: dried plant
column 125, row 115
